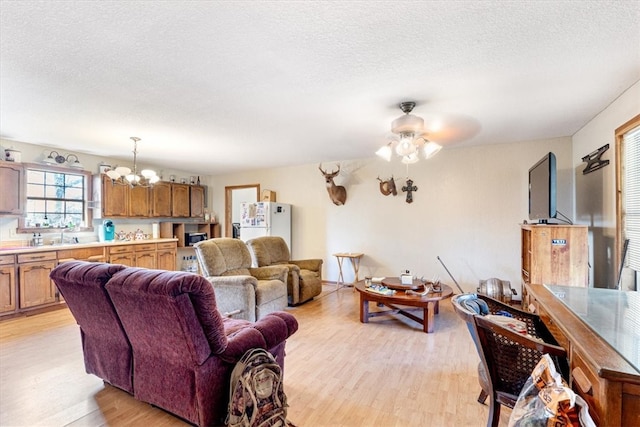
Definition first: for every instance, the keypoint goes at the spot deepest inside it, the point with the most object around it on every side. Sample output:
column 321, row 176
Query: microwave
column 191, row 239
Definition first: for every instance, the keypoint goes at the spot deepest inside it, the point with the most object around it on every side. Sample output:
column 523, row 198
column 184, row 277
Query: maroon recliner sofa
column 106, row 348
column 183, row 350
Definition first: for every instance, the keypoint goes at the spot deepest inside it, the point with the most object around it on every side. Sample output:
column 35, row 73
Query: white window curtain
column 631, row 197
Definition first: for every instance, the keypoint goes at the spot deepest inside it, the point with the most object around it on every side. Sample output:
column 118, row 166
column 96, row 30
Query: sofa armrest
column 309, row 264
column 270, row 272
column 235, row 293
column 266, row 333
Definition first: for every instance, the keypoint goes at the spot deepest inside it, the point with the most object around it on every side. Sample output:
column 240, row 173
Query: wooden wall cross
column 409, row 188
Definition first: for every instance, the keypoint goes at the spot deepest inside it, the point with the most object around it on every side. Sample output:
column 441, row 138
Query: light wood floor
column 338, row 372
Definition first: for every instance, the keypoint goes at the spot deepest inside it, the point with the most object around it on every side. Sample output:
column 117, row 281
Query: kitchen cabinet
column 139, row 202
column 7, row 284
column 197, row 201
column 114, row 198
column 24, row 275
column 92, row 254
column 36, row 288
column 166, row 256
column 178, row 230
column 145, row 255
column 122, row 255
column 180, row 200
column 12, row 188
column 161, row 199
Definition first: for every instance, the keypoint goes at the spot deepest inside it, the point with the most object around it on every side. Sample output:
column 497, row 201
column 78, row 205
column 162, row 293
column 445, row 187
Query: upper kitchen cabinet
column 197, row 201
column 180, row 203
column 161, row 199
column 140, row 202
column 12, row 196
column 113, row 198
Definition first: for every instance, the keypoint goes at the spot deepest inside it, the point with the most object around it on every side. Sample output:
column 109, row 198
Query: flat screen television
column 542, row 189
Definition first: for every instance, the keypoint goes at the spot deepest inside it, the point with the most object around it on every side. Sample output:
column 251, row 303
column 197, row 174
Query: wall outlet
column 12, row 232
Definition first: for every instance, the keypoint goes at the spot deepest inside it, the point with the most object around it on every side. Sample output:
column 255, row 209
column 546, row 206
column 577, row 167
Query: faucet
column 69, row 240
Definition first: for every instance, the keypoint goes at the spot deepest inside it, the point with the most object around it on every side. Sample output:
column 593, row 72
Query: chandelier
column 409, row 138
column 123, row 175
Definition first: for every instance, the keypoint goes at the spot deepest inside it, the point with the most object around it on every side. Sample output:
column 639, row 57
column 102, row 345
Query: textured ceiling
column 222, row 86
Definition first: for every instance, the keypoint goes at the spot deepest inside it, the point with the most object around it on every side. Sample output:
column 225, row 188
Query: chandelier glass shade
column 125, row 176
column 409, row 138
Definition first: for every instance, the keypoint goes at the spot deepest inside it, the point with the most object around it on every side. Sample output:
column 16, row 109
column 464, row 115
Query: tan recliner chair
column 248, row 293
column 305, row 276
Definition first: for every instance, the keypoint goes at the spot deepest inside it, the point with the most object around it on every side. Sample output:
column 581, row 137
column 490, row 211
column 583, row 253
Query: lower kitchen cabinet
column 166, row 258
column 145, row 255
column 36, row 288
column 25, row 286
column 7, row 284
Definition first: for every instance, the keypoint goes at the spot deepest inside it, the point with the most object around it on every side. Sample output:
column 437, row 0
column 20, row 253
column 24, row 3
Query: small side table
column 354, row 258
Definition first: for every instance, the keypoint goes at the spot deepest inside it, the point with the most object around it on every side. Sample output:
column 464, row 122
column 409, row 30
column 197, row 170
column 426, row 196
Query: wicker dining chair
column 508, row 358
column 535, row 328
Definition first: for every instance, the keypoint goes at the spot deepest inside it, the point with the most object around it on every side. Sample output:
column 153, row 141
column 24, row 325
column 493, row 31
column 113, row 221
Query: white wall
column 596, row 191
column 467, row 210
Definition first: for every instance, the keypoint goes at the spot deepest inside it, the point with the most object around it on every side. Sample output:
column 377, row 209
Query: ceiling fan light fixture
column 385, row 152
column 431, row 149
column 410, row 134
column 410, row 159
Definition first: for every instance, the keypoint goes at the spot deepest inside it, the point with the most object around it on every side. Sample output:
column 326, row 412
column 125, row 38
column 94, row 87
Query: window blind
column 631, row 196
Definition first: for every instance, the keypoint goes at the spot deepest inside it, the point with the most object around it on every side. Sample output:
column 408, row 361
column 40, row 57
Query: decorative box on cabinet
column 7, row 284
column 12, row 194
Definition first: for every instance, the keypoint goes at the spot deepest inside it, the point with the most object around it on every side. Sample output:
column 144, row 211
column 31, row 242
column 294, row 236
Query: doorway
column 233, row 196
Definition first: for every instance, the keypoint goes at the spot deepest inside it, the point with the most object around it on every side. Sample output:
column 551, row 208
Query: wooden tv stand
column 599, row 373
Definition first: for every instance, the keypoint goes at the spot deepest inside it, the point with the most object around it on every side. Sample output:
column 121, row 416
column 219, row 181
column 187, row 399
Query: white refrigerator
column 265, row 219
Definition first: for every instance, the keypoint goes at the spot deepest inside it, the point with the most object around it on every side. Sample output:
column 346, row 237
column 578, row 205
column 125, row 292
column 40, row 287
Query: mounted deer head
column 337, row 193
column 388, row 187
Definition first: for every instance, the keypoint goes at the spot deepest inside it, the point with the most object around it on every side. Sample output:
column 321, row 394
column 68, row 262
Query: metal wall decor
column 409, row 189
column 594, row 161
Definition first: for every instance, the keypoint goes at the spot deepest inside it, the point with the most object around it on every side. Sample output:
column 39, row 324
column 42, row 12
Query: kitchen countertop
column 10, row 250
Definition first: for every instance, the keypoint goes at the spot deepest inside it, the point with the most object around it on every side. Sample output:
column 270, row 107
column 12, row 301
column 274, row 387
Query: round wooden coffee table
column 428, row 304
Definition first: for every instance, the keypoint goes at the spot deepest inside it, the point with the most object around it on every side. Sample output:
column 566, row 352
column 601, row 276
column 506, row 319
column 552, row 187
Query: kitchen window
column 56, row 198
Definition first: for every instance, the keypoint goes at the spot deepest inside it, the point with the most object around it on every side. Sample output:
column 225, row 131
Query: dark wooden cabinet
column 12, row 189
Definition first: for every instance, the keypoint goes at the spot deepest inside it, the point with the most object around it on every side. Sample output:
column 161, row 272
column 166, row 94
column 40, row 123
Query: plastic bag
column 547, row 401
